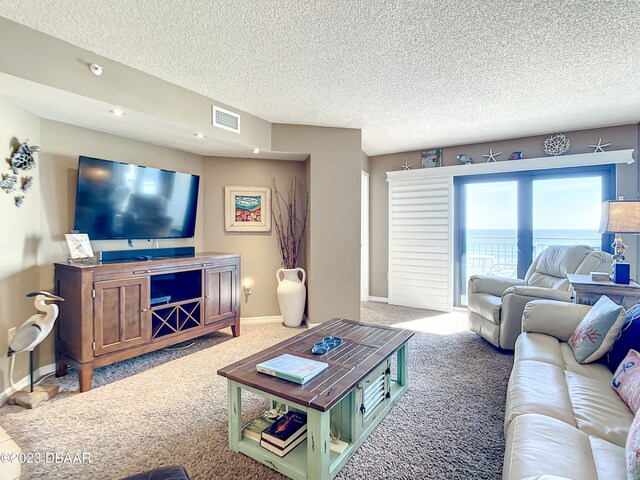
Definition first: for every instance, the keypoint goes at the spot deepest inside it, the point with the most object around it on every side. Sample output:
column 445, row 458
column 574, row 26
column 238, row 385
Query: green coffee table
column 367, row 375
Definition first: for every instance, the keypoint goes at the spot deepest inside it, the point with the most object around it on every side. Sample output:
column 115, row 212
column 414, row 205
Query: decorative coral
column 289, row 229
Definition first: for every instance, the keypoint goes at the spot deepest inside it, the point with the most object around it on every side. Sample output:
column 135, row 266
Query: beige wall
column 622, row 137
column 333, row 254
column 20, row 237
column 260, row 254
column 35, row 232
column 365, row 163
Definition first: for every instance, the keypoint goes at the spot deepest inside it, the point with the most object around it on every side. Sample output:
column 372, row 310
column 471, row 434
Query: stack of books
column 285, row 434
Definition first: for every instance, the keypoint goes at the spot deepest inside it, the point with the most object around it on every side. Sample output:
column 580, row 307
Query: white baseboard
column 267, row 319
column 460, row 309
column 378, row 299
column 23, row 382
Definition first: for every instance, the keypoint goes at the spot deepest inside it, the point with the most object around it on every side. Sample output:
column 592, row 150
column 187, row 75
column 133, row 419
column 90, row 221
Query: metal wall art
column 21, row 159
column 556, row 144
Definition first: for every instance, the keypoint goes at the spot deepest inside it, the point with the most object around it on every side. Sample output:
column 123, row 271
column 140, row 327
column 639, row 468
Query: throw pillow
column 626, row 380
column 632, row 448
column 629, row 338
column 597, row 331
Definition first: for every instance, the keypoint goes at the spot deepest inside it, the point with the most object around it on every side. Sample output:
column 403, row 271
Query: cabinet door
column 121, row 314
column 221, row 290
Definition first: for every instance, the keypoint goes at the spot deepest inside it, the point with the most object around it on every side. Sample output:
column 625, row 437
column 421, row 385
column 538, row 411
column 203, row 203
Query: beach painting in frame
column 247, row 209
column 431, row 158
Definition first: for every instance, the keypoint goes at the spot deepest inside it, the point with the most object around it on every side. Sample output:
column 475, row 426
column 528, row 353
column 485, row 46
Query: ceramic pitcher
column 291, row 295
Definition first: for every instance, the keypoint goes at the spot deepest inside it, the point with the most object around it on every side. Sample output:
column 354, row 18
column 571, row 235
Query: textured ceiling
column 410, row 74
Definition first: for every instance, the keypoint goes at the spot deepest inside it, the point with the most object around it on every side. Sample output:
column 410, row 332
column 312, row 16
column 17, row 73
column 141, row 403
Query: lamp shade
column 621, row 216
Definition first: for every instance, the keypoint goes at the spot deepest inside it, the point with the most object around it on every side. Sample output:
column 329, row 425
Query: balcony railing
column 499, row 255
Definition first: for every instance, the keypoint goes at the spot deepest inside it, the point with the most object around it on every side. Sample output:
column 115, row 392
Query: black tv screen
column 124, row 201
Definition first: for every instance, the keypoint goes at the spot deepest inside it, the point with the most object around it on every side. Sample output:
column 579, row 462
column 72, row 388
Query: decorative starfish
column 491, row 157
column 599, row 147
column 406, row 166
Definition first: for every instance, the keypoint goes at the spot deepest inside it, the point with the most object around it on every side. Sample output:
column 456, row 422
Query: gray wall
column 333, row 247
column 622, row 137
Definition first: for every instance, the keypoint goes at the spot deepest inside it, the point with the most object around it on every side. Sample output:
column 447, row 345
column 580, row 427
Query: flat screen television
column 125, row 201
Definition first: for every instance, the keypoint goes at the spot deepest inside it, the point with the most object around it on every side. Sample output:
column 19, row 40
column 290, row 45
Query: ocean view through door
column 491, row 229
column 504, row 221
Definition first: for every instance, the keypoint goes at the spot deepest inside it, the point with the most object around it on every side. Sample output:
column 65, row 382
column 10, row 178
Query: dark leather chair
column 169, row 472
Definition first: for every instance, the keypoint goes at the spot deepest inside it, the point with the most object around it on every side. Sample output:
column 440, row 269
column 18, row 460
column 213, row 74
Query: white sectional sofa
column 562, row 418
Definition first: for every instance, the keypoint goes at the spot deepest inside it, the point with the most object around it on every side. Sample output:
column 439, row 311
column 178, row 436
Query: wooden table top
column 585, row 281
column 365, row 346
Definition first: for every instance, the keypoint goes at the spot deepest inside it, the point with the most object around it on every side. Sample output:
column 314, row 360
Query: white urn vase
column 292, row 295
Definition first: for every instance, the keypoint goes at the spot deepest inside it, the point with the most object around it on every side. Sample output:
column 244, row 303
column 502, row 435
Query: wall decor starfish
column 406, row 166
column 599, row 147
column 491, row 157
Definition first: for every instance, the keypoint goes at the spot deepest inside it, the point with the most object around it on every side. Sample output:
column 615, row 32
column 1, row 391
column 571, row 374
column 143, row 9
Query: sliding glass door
column 504, row 221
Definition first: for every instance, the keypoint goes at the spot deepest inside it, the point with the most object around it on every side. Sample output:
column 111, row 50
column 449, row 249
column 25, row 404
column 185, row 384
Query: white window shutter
column 421, row 243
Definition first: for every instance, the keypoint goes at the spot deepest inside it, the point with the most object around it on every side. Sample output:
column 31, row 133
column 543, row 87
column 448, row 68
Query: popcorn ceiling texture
column 411, row 74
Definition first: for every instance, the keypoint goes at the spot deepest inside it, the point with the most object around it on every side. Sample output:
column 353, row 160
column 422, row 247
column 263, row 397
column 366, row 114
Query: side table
column 589, row 292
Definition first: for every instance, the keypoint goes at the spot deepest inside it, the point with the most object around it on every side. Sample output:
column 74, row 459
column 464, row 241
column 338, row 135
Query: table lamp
column 622, row 216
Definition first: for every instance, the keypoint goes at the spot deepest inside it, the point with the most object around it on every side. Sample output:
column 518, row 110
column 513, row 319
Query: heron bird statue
column 32, row 332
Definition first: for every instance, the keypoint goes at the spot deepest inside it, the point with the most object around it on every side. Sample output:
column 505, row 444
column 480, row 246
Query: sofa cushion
column 626, row 380
column 598, row 410
column 538, row 445
column 595, row 370
column 558, row 260
column 486, row 305
column 597, row 331
column 538, row 387
column 609, row 459
column 628, row 338
column 539, row 347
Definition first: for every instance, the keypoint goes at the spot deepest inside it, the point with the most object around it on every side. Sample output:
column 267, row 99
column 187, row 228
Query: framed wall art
column 431, row 158
column 247, row 209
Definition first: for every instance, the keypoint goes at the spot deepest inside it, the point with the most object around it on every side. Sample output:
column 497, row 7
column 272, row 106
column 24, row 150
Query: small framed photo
column 431, row 158
column 247, row 209
column 79, row 245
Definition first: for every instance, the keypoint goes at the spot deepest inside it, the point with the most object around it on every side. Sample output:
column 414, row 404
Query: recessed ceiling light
column 256, row 150
column 117, row 112
column 199, row 135
column 96, row 69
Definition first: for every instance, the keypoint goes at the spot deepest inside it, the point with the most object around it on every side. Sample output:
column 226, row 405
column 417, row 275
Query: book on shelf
column 292, row 368
column 286, row 430
column 255, row 427
column 281, row 452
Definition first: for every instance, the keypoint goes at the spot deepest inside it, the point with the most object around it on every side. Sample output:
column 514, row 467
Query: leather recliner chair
column 495, row 304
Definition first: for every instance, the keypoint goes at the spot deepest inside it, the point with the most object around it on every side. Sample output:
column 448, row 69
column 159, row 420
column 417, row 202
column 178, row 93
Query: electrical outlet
column 10, row 334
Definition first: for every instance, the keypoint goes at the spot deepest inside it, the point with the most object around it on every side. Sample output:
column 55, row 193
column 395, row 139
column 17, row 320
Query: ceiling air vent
column 225, row 119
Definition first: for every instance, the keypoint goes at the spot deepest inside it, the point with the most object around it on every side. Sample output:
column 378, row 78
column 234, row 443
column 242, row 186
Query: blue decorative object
column 621, row 272
column 327, row 344
column 628, row 338
column 465, row 159
column 516, row 156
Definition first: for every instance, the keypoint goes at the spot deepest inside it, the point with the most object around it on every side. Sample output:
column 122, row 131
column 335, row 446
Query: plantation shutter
column 421, row 242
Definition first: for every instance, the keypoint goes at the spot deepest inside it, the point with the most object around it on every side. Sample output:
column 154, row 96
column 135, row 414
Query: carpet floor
column 170, row 407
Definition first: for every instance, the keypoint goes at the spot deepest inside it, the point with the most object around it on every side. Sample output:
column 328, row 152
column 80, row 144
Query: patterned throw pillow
column 628, row 338
column 597, row 331
column 626, row 381
column 633, row 450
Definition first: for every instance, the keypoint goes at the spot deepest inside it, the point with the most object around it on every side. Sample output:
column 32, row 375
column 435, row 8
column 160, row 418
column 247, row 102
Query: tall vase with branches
column 290, row 230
